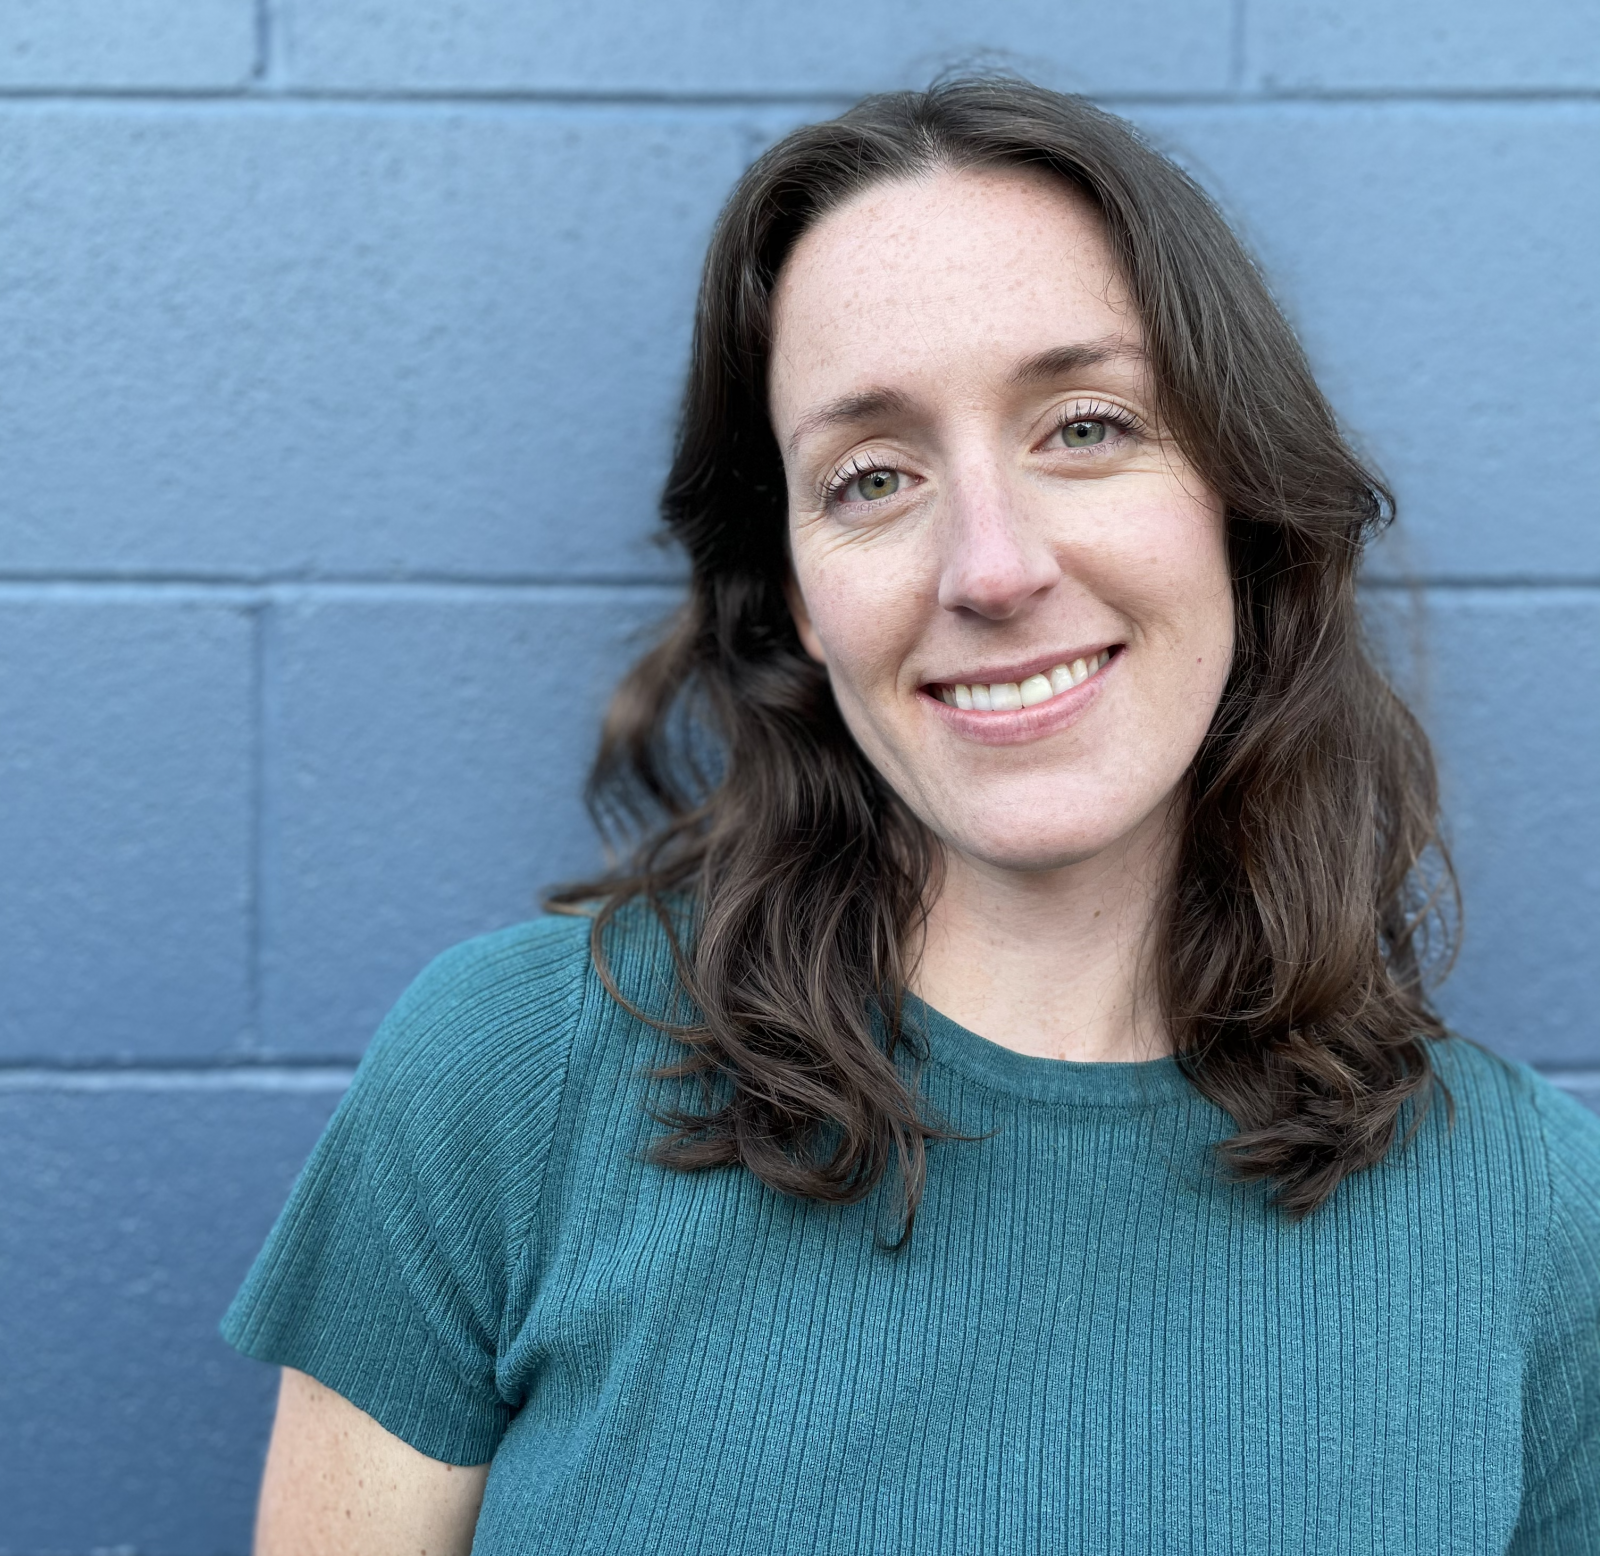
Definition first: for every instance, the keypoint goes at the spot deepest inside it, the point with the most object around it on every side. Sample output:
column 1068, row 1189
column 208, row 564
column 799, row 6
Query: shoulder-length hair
column 1290, row 959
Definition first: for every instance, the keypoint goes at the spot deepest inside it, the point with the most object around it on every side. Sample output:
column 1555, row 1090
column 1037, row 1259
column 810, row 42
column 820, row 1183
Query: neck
column 1053, row 962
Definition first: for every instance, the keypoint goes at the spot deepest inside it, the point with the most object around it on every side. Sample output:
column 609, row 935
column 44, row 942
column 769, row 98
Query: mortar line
column 230, row 1061
column 1488, row 583
column 263, row 42
column 244, row 589
column 1239, row 23
column 1569, row 1079
column 824, row 100
column 258, row 779
column 313, row 1074
column 318, row 1077
column 249, row 591
column 269, row 750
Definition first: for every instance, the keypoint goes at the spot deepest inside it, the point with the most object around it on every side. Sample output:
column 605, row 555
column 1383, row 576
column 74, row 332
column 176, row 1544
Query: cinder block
column 425, row 756
column 386, row 340
column 1505, row 680
column 131, row 1217
column 750, row 47
column 137, row 44
column 1439, row 261
column 1376, row 45
column 125, row 825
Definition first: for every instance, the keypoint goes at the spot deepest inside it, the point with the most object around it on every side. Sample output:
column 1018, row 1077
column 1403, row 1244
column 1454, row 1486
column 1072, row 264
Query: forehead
column 953, row 272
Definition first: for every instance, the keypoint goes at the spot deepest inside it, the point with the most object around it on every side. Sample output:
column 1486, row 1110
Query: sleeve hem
column 467, row 1439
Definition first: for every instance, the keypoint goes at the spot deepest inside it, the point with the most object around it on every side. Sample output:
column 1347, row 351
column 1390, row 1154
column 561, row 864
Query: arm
column 338, row 1484
column 402, row 1256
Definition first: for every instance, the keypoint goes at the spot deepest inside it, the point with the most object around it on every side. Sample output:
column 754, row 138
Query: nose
column 995, row 561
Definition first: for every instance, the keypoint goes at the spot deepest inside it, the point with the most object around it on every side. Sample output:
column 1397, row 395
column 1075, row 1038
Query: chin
column 1036, row 855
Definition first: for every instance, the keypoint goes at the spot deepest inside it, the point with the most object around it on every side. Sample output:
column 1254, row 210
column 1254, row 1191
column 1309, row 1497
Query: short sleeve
column 395, row 1274
column 1560, row 1514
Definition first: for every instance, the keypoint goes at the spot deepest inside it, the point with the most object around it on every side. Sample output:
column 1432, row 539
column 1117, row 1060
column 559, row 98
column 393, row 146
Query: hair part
column 1311, row 884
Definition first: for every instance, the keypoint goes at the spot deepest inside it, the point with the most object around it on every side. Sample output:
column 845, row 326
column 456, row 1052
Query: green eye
column 877, row 483
column 1083, row 434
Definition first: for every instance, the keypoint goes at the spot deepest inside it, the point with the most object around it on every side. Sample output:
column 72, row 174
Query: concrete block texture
column 126, row 825
column 386, row 341
column 173, row 45
column 1439, row 263
column 132, row 1214
column 1505, row 681
column 426, row 760
column 759, row 48
column 1439, row 45
column 342, row 347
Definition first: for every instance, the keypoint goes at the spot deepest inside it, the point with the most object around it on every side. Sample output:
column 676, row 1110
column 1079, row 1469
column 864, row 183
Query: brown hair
column 1291, row 959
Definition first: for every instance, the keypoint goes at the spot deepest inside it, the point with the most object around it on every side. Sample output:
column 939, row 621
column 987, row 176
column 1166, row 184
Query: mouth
column 1027, row 691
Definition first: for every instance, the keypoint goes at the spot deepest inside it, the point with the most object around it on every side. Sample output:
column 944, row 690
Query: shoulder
column 504, row 1014
column 1517, row 1124
column 470, row 1062
column 515, row 990
column 1512, row 1104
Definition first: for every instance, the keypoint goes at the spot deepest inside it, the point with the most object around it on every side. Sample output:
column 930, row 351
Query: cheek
column 865, row 610
column 1172, row 562
column 1165, row 570
column 1191, row 611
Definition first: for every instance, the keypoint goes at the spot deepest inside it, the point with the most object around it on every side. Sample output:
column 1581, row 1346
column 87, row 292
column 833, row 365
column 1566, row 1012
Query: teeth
column 1036, row 688
column 1008, row 696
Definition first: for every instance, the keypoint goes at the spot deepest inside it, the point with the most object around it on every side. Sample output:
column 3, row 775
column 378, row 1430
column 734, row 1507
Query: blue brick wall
column 341, row 341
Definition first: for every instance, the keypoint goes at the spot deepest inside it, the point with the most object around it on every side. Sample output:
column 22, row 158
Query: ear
column 802, row 618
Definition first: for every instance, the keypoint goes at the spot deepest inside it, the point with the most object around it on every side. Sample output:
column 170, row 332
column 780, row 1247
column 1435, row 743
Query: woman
column 996, row 1108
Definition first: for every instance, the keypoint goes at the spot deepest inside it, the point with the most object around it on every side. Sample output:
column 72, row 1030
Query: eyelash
column 860, row 465
column 863, row 464
column 1096, row 410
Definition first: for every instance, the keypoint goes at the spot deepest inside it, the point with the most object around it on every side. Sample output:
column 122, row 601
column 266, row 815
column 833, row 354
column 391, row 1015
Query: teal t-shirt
column 1091, row 1343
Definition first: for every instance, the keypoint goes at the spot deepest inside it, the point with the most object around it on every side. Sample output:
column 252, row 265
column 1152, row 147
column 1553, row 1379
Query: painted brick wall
column 340, row 344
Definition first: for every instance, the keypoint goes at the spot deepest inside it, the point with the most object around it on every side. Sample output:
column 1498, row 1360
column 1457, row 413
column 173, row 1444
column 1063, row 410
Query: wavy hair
column 1311, row 889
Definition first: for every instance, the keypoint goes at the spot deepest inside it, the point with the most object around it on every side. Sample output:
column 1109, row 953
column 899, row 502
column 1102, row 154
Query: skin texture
column 338, row 1484
column 943, row 331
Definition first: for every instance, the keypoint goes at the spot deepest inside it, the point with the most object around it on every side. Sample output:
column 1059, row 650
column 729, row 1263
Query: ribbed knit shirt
column 1091, row 1342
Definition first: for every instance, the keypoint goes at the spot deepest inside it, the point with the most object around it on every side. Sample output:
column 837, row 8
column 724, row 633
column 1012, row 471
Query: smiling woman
column 980, row 526
column 1024, row 901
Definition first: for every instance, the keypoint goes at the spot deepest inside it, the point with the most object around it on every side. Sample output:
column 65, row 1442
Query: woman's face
column 1018, row 585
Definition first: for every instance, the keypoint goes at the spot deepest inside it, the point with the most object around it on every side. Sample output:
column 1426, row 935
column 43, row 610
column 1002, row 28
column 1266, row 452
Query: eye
column 863, row 482
column 1094, row 425
column 1083, row 434
column 871, row 485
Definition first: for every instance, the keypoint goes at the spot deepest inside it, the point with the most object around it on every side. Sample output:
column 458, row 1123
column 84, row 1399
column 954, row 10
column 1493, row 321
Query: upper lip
column 1020, row 671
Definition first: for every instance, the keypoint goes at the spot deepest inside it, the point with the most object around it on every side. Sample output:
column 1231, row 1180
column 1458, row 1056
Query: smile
column 1009, row 696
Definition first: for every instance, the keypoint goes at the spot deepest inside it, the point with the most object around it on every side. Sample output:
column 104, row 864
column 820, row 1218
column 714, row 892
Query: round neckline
column 1114, row 1083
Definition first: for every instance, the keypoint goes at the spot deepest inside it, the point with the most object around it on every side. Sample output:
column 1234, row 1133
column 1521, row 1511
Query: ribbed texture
column 1090, row 1344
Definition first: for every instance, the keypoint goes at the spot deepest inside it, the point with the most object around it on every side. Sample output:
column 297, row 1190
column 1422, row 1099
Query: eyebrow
column 847, row 410
column 1063, row 361
column 870, row 404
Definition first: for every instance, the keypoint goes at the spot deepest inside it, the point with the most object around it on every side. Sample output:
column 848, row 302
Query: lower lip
column 1023, row 724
